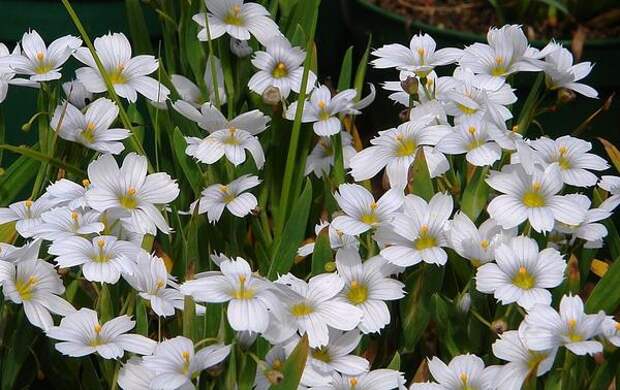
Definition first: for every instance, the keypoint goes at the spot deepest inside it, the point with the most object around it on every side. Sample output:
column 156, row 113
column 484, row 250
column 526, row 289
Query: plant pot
column 363, row 18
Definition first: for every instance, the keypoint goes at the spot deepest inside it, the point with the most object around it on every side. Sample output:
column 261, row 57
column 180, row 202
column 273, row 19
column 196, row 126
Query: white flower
column 249, row 296
column 36, row 285
column 531, row 197
column 420, row 57
column 237, row 19
column 190, row 93
column 321, row 158
column 521, row 361
column 232, row 196
column 589, row 230
column 150, row 278
column 335, row 356
column 610, row 330
column 81, row 334
column 337, row 239
column 270, row 373
column 463, row 372
column 175, row 363
column 13, row 254
column 473, row 94
column 507, row 52
column 610, row 184
column 367, row 286
column 130, row 193
column 26, row 214
column 418, row 232
column 280, row 66
column 92, row 128
column 128, row 75
column 436, row 87
column 310, row 307
column 63, row 222
column 38, row 61
column 134, row 376
column 561, row 73
column 476, row 244
column 476, row 138
column 395, row 150
column 322, row 109
column 571, row 155
column 522, row 274
column 229, row 138
column 362, row 212
column 103, row 259
column 545, row 329
column 67, row 193
column 380, row 379
column 76, row 93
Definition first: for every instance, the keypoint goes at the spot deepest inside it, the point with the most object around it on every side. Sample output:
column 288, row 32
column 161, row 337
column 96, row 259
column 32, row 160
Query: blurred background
column 590, row 28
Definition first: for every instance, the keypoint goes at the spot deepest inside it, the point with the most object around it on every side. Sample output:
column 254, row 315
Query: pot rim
column 474, row 37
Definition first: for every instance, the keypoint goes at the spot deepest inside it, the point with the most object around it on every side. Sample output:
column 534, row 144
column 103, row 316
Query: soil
column 476, row 15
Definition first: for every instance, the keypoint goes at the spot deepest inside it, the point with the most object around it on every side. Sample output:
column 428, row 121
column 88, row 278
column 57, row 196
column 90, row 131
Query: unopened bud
column 574, row 277
column 565, row 95
column 599, row 358
column 404, row 115
column 464, row 303
column 274, row 377
column 499, row 326
column 272, row 96
column 330, row 266
column 410, row 85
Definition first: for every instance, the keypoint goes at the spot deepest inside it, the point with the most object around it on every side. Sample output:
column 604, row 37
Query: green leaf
column 346, row 70
column 422, row 283
column 529, row 107
column 395, row 363
column 142, row 318
column 421, row 184
column 322, row 253
column 28, row 152
column 476, row 194
column 606, row 294
column 302, row 15
column 444, row 321
column 360, row 74
column 140, row 37
column 104, row 304
column 7, row 232
column 17, row 178
column 285, row 247
column 294, row 366
column 192, row 174
column 556, row 4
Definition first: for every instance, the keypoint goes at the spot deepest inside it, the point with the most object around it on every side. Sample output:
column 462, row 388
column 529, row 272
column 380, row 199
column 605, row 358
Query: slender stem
column 211, row 60
column 569, row 359
column 480, row 318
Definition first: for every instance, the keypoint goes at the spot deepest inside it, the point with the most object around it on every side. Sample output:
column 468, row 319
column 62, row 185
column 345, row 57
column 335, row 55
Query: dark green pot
column 363, row 18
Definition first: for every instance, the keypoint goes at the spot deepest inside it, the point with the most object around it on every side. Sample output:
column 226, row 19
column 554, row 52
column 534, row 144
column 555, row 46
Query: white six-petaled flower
column 561, row 73
column 128, row 75
column 231, row 196
column 521, row 273
column 82, row 334
column 63, row 222
column 463, row 372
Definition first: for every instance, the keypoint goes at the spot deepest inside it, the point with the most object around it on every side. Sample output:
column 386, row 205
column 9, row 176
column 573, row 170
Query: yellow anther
column 563, row 150
column 463, row 377
column 355, row 284
column 97, row 328
column 617, row 326
column 40, row 56
column 374, row 205
column 281, row 66
column 85, row 183
column 322, row 104
column 522, row 270
column 353, row 381
column 236, row 8
column 28, row 203
column 100, row 243
column 280, row 70
column 131, row 191
column 471, row 130
column 242, row 279
column 485, row 244
column 277, row 364
column 572, row 323
column 160, row 283
column 536, row 186
column 90, row 126
column 185, row 355
column 424, row 229
column 74, row 216
column 499, row 60
column 421, row 51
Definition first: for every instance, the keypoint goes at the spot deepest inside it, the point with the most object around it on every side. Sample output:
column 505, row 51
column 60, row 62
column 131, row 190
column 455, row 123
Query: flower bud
column 274, row 376
column 404, row 115
column 240, row 48
column 499, row 326
column 464, row 303
column 272, row 96
column 565, row 95
column 410, row 85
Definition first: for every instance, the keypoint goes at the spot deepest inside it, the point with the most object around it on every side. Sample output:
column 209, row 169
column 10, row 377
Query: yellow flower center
column 353, row 382
column 563, row 160
column 128, row 200
column 466, row 110
column 405, row 146
column 242, row 292
column 117, row 76
column 535, row 358
column 301, row 309
column 97, row 340
column 234, row 16
column 279, row 71
column 43, row 66
column 534, row 198
column 101, row 256
column 89, row 133
column 358, row 293
column 321, row 354
column 523, row 279
column 370, row 218
column 425, row 240
column 499, row 69
column 231, row 139
column 24, row 288
column 277, row 364
column 421, row 54
column 85, row 183
column 186, row 362
column 228, row 196
column 573, row 336
column 323, row 114
column 484, row 244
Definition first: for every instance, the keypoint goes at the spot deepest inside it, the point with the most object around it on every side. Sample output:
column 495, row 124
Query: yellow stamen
column 617, row 326
column 277, row 364
column 563, row 160
column 74, row 216
column 424, row 240
column 485, row 244
column 85, row 183
column 117, row 76
column 534, row 198
column 321, row 354
column 421, row 54
column 405, row 146
column 301, row 309
column 573, row 336
column 185, row 356
column 523, row 279
column 242, row 292
column 28, row 203
column 97, row 328
column 24, row 288
column 466, row 110
column 231, row 139
column 40, row 56
column 279, row 71
column 353, row 382
column 358, row 293
column 234, row 16
column 129, row 200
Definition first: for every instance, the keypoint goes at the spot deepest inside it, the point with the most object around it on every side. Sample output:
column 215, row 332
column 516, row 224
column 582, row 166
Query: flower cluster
column 467, row 192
